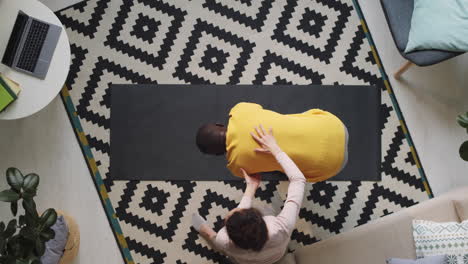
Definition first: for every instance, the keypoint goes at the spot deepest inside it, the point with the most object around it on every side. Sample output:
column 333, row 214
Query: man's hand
column 252, row 180
column 266, row 141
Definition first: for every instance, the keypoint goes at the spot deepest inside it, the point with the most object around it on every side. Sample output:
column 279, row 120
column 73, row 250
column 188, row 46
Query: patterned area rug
column 227, row 42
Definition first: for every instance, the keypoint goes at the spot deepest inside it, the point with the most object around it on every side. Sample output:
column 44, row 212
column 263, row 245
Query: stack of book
column 9, row 91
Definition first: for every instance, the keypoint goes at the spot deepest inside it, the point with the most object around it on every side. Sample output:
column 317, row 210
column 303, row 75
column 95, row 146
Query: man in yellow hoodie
column 316, row 140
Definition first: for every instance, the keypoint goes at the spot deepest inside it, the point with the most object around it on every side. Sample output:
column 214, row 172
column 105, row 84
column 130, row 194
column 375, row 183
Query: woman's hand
column 266, row 141
column 252, row 180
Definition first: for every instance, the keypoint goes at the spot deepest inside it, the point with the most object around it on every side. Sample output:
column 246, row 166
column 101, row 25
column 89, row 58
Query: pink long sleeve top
column 279, row 227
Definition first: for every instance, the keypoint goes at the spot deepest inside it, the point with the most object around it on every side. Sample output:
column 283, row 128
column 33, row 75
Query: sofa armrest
column 288, row 258
column 461, row 205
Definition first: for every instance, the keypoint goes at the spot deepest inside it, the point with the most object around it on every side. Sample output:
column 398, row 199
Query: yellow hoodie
column 314, row 140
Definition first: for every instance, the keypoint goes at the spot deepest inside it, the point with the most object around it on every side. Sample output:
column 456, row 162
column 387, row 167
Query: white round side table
column 35, row 93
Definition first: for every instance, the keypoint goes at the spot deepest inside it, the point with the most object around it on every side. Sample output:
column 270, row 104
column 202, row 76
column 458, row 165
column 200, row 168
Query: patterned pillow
column 451, row 239
column 427, row 260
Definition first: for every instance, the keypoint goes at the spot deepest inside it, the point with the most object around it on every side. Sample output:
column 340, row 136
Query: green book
column 7, row 96
column 14, row 86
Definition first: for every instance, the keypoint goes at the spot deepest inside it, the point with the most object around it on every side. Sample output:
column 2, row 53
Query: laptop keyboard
column 32, row 46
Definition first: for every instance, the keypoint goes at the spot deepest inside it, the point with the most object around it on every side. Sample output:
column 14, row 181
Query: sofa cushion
column 433, row 238
column 461, row 205
column 427, row 260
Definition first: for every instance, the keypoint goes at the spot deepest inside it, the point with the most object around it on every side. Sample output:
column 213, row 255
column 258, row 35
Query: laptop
column 31, row 45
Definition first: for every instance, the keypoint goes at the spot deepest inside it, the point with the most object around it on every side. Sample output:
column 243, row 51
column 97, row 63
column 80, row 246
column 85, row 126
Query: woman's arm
column 220, row 241
column 199, row 223
column 288, row 216
column 252, row 183
column 207, row 233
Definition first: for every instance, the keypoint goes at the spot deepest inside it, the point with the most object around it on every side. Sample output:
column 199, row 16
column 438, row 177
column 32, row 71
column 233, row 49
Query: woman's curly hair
column 247, row 229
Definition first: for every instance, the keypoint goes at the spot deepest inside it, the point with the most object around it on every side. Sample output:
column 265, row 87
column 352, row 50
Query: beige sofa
column 389, row 236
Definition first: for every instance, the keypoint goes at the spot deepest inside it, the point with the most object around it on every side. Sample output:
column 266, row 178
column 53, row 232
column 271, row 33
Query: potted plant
column 463, row 121
column 22, row 240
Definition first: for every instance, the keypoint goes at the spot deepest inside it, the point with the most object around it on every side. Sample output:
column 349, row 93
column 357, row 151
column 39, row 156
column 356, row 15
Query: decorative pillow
column 439, row 24
column 450, row 238
column 56, row 246
column 427, row 260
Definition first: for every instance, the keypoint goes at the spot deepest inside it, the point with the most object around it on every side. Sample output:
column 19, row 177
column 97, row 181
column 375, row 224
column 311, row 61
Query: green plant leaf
column 31, row 181
column 21, row 220
column 14, row 208
column 31, row 213
column 29, row 194
column 30, row 221
column 28, row 247
column 28, row 233
column 3, row 250
column 40, row 247
column 2, row 246
column 11, row 228
column 2, row 227
column 2, row 242
column 48, row 218
column 9, row 196
column 14, row 246
column 47, row 234
column 463, row 120
column 15, row 178
column 21, row 261
column 33, row 260
column 464, row 151
column 7, row 260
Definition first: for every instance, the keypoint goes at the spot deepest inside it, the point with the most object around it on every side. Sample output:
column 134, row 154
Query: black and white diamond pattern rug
column 227, row 42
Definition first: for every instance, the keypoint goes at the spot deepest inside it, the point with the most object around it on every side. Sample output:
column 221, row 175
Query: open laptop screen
column 15, row 38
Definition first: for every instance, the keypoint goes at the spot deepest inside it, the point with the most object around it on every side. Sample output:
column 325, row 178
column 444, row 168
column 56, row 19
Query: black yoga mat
column 153, row 127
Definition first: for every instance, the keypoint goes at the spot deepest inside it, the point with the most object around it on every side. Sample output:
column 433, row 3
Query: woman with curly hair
column 249, row 236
